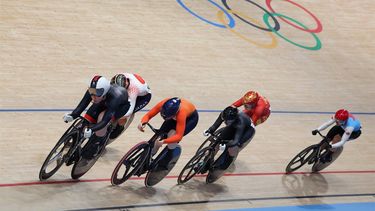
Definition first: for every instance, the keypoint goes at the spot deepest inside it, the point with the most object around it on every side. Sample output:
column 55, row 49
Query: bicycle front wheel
column 130, row 163
column 195, row 165
column 300, row 159
column 56, row 158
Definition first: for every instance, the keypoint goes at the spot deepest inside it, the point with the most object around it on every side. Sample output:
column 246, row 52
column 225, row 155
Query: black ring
column 277, row 24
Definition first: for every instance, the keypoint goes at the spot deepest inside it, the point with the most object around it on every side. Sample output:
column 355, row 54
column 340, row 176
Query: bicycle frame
column 319, row 148
column 151, row 143
column 77, row 125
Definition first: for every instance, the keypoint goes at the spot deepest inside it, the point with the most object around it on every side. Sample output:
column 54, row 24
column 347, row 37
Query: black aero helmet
column 170, row 108
column 119, row 79
column 229, row 113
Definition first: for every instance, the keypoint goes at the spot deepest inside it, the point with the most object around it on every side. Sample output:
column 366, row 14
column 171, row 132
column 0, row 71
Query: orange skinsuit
column 186, row 109
column 259, row 113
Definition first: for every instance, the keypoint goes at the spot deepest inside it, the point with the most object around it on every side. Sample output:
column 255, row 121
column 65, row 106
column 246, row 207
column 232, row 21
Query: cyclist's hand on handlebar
column 314, row 132
column 207, row 132
column 68, row 118
column 87, row 133
column 142, row 126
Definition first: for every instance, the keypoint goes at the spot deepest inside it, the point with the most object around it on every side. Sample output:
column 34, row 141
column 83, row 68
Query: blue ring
column 231, row 19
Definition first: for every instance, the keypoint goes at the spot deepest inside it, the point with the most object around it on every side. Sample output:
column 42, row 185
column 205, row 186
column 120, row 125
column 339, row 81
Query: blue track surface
column 369, row 206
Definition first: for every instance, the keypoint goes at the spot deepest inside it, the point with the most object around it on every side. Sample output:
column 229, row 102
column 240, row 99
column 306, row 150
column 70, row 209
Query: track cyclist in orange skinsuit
column 180, row 118
column 256, row 107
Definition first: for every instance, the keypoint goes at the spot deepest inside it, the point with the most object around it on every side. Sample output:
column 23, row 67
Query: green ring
column 314, row 48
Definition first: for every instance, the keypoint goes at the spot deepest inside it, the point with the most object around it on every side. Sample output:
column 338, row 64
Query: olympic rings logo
column 271, row 30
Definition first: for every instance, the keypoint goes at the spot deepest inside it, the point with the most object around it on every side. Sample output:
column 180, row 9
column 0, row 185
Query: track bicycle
column 69, row 150
column 139, row 160
column 312, row 155
column 204, row 160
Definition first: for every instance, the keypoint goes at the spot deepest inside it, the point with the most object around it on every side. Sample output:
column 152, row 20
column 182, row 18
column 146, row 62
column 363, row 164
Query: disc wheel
column 300, row 159
column 130, row 163
column 194, row 166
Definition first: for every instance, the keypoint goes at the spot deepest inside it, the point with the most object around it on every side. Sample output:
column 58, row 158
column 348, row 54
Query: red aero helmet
column 342, row 115
column 250, row 97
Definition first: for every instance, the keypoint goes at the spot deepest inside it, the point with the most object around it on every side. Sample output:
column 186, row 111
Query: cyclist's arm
column 180, row 128
column 106, row 119
column 82, row 105
column 258, row 112
column 326, row 124
column 238, row 103
column 132, row 100
column 216, row 124
column 155, row 110
column 344, row 138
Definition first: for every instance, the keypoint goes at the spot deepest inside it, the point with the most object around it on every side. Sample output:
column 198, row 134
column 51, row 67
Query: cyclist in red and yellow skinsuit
column 180, row 117
column 256, row 107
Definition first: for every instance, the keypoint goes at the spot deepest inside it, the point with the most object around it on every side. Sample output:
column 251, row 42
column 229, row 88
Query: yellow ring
column 273, row 44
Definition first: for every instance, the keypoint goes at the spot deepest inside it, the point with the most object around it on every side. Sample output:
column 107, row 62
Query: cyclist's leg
column 141, row 102
column 334, row 134
column 191, row 122
column 169, row 127
column 246, row 138
column 118, row 122
column 355, row 135
column 94, row 115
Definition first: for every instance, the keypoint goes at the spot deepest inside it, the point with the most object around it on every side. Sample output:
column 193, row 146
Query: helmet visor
column 340, row 122
column 96, row 92
column 229, row 122
column 249, row 106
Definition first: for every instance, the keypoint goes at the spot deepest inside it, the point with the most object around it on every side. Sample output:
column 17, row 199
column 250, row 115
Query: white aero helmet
column 99, row 86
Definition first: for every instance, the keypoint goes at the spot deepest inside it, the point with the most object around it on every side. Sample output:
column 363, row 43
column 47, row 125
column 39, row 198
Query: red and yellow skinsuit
column 258, row 113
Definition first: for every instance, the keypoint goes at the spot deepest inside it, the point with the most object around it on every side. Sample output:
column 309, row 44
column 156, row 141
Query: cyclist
column 239, row 130
column 180, row 118
column 256, row 107
column 347, row 128
column 109, row 103
column 139, row 95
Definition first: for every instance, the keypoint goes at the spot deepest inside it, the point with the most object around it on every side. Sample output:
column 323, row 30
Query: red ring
column 318, row 29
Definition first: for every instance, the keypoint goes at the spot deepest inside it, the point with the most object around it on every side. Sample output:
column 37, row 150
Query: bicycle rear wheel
column 83, row 165
column 163, row 165
column 318, row 165
column 217, row 171
column 130, row 163
column 195, row 165
column 300, row 159
column 56, row 156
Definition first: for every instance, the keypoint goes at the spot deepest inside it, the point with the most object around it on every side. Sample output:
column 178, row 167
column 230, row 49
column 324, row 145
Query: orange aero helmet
column 250, row 97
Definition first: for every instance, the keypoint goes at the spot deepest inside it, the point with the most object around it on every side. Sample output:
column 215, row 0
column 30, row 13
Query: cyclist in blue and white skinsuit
column 347, row 128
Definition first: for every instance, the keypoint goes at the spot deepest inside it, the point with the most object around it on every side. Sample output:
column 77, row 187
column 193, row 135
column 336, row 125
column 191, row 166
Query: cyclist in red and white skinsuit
column 256, row 107
column 139, row 95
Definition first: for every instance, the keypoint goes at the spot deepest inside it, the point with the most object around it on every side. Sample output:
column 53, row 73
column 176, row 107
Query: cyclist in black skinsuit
column 110, row 102
column 239, row 130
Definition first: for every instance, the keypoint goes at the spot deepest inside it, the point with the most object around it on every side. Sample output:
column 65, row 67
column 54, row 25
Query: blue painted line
column 223, row 201
column 367, row 206
column 31, row 110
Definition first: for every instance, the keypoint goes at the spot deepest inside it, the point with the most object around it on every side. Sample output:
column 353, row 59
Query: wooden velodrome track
column 50, row 49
